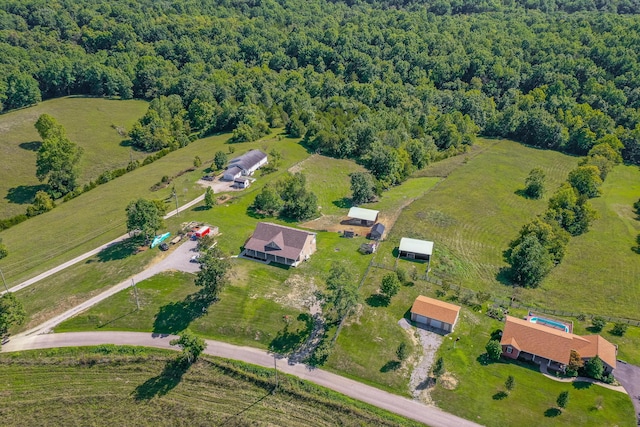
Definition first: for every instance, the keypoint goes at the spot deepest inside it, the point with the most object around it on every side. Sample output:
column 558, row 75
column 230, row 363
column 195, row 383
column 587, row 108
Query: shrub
column 619, row 329
column 495, row 313
column 494, row 349
column 563, row 399
column 402, row 352
column 598, row 323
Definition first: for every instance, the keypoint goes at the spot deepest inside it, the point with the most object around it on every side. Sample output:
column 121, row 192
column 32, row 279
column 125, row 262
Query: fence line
column 512, row 303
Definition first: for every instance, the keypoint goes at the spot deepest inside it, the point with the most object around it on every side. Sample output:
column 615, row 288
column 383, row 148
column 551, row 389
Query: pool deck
column 567, row 324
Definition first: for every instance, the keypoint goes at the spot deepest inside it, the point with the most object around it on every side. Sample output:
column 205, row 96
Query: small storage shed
column 361, row 216
column 377, row 231
column 416, row 249
column 435, row 313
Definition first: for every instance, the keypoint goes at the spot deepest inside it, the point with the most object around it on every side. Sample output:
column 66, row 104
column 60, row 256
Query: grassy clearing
column 532, row 401
column 329, row 179
column 88, row 122
column 474, row 213
column 600, row 273
column 132, row 386
column 99, row 215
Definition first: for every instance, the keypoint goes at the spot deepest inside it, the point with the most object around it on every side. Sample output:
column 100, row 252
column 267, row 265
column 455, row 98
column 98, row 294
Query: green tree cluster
column 144, row 217
column 164, row 125
column 12, row 312
column 342, row 293
column 363, row 188
column 191, row 345
column 289, row 198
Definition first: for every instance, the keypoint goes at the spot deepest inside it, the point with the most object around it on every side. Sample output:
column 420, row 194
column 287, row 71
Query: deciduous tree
column 342, row 293
column 41, row 203
column 143, row 216
column 390, row 285
column 563, row 399
column 268, row 201
column 530, row 262
column 209, row 198
column 362, row 187
column 534, row 184
column 191, row 345
column 220, row 159
column 494, row 349
column 12, row 312
column 586, row 180
column 213, row 271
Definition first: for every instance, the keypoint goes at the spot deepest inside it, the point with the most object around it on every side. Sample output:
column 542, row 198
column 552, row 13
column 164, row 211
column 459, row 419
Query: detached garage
column 435, row 313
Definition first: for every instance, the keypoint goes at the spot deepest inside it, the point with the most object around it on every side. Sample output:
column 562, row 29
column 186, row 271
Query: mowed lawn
column 473, row 392
column 98, row 216
column 89, row 122
column 138, row 386
column 600, row 273
column 330, row 180
column 475, row 212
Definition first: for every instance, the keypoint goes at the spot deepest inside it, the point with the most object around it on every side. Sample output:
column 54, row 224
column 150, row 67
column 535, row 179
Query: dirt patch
column 448, row 381
column 301, row 294
column 354, row 317
column 218, row 185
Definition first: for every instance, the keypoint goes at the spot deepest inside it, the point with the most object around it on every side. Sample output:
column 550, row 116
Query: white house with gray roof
column 245, row 165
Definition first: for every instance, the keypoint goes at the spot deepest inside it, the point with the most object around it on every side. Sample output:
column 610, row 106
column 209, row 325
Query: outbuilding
column 361, row 216
column 241, row 182
column 435, row 313
column 232, row 173
column 377, row 231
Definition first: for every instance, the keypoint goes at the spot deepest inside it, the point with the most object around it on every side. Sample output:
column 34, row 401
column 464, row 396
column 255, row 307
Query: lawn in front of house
column 532, row 401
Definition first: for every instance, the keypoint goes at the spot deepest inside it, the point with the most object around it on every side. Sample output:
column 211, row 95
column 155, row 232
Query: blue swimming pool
column 551, row 323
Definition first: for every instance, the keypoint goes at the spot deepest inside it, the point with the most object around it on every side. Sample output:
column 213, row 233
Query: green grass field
column 135, row 386
column 88, row 122
column 533, row 399
column 99, row 215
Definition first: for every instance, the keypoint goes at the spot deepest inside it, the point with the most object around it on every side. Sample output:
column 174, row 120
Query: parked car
column 195, row 258
column 208, row 178
column 164, row 247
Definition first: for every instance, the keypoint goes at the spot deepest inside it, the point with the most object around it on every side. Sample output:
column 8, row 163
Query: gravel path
column 420, row 376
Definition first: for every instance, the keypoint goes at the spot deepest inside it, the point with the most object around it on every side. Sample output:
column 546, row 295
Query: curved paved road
column 178, row 259
column 93, row 252
column 402, row 406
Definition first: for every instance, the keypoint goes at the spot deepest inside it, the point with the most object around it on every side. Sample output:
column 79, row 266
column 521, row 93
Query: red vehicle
column 202, row 231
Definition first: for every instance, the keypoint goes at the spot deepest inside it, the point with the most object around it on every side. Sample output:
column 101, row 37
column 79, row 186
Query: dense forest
column 391, row 83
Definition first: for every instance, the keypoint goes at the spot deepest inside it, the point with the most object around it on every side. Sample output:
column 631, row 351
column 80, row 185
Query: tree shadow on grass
column 24, row 194
column 391, row 365
column 162, row 384
column 177, row 316
column 343, row 203
column 377, row 300
column 120, row 250
column 504, row 276
column 288, row 341
column 581, row 385
column 31, row 145
column 552, row 412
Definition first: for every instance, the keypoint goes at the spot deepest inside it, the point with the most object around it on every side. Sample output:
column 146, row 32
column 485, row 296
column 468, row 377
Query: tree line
column 393, row 84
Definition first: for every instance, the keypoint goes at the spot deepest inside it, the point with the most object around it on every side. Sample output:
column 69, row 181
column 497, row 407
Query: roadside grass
column 98, row 216
column 329, row 179
column 137, row 386
column 533, row 399
column 600, row 273
column 88, row 122
column 366, row 347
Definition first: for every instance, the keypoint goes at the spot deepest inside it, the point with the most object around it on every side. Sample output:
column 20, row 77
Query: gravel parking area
column 430, row 342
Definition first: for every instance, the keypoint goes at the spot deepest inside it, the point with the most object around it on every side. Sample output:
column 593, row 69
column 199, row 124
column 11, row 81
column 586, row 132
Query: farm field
column 600, row 273
column 89, row 122
column 138, row 386
column 98, row 216
column 473, row 393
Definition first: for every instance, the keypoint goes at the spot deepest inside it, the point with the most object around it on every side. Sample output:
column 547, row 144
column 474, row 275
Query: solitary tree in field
column 212, row 274
column 143, row 216
column 563, row 399
column 343, row 293
column 192, row 346
column 390, row 285
column 11, row 312
column 220, row 159
column 362, row 187
column 534, row 184
column 58, row 158
column 209, row 199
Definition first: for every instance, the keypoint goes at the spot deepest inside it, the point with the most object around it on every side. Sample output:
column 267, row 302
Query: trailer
column 203, row 231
